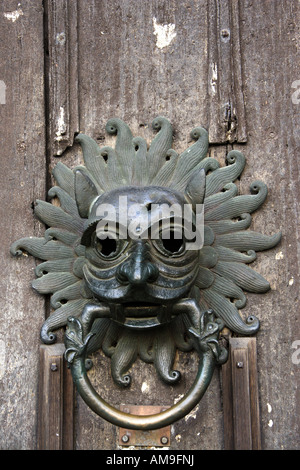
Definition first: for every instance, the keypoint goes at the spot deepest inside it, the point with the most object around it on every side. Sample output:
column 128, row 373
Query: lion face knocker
column 141, row 264
column 147, row 253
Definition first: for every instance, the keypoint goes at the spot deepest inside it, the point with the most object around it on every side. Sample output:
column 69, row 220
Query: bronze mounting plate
column 154, row 438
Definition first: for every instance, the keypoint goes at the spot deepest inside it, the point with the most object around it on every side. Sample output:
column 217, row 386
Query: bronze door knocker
column 148, row 252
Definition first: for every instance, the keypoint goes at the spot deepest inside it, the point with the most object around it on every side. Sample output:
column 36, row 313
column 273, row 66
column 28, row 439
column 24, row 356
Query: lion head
column 107, row 244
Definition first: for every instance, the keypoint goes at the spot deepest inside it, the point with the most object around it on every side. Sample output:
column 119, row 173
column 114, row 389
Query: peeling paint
column 214, row 78
column 165, row 33
column 192, row 414
column 269, row 407
column 279, row 255
column 145, row 387
column 61, row 125
column 178, row 398
column 14, row 15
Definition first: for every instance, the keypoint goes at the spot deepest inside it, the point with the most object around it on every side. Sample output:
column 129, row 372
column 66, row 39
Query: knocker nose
column 137, row 272
column 138, row 269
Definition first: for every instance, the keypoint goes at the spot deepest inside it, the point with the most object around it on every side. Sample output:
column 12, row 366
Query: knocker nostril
column 122, row 275
column 152, row 272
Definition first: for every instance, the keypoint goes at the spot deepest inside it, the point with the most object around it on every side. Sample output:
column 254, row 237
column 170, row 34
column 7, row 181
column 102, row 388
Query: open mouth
column 142, row 314
column 135, row 309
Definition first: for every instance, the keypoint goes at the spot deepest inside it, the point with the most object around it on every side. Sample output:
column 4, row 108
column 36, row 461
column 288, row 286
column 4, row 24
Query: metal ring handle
column 209, row 352
column 147, row 422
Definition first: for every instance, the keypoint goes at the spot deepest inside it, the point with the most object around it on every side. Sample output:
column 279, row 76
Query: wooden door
column 229, row 66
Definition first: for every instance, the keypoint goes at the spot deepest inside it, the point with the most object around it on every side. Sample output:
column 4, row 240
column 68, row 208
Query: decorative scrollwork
column 75, row 340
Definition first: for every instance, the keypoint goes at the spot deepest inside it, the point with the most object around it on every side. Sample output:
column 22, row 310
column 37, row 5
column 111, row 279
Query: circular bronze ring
column 147, row 422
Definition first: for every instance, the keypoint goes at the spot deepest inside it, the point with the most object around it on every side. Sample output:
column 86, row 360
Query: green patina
column 145, row 299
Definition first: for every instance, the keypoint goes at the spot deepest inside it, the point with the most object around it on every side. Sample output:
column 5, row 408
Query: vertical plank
column 240, row 396
column 55, row 420
column 68, row 409
column 227, row 405
column 22, row 181
column 254, row 395
column 227, row 120
column 241, row 399
column 238, row 125
column 50, row 398
column 62, row 74
column 124, row 72
column 61, row 80
column 270, row 34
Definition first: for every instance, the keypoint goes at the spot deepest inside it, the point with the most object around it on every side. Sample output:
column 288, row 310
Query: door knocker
column 135, row 267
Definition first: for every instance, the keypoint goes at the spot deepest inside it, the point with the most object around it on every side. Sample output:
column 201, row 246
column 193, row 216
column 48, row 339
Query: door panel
column 22, row 181
column 230, row 66
column 216, row 54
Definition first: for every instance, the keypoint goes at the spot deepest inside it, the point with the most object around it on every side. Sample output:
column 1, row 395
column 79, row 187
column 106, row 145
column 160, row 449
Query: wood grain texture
column 241, row 405
column 242, row 427
column 136, row 80
column 22, row 180
column 50, row 417
column 123, row 72
column 269, row 38
column 193, row 76
column 56, row 400
column 61, row 73
column 226, row 109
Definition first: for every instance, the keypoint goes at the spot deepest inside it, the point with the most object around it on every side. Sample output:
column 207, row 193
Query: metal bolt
column 240, row 365
column 164, row 440
column 125, row 438
column 53, row 367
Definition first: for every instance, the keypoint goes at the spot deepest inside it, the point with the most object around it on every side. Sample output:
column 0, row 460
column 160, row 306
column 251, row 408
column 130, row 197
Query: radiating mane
column 224, row 274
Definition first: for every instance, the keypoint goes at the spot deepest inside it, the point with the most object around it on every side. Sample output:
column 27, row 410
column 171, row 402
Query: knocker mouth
column 140, row 315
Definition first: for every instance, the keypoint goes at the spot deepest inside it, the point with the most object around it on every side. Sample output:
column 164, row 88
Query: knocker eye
column 108, row 247
column 170, row 242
